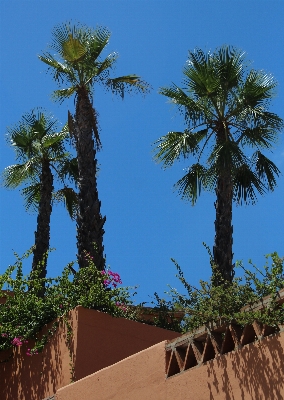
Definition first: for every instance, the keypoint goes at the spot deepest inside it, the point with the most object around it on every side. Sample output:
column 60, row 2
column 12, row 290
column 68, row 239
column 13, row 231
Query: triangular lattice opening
column 228, row 342
column 180, row 355
column 268, row 330
column 217, row 340
column 249, row 335
column 209, row 351
column 190, row 359
column 198, row 348
column 236, row 332
column 173, row 367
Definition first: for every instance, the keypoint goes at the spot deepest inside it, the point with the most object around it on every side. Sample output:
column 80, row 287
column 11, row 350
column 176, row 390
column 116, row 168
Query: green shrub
column 213, row 302
column 25, row 313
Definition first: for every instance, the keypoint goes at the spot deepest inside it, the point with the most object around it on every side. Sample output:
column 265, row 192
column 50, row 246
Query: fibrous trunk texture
column 222, row 250
column 42, row 234
column 89, row 220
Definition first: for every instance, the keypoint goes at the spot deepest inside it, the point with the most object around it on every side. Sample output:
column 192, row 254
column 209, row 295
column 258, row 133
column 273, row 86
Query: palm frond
column 245, row 183
column 101, row 66
column 128, row 83
column 53, row 138
column 175, row 145
column 266, row 170
column 229, row 64
column 193, row 110
column 73, row 50
column 227, row 155
column 62, row 94
column 99, row 40
column 189, row 187
column 59, row 70
column 68, row 169
column 69, row 198
column 31, row 196
column 201, row 78
column 260, row 136
column 16, row 175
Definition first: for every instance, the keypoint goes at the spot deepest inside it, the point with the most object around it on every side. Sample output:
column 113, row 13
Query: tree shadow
column 255, row 372
column 37, row 377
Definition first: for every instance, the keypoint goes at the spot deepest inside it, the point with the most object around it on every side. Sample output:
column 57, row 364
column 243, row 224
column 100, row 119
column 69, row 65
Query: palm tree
column 78, row 64
column 226, row 110
column 40, row 150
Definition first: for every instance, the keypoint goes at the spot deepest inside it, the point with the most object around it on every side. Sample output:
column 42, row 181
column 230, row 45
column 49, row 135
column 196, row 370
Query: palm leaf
column 245, row 181
column 227, row 155
column 98, row 41
column 73, row 50
column 53, row 138
column 190, row 185
column 68, row 169
column 31, row 196
column 16, row 175
column 266, row 170
column 260, row 136
column 127, row 83
column 175, row 145
column 59, row 70
column 70, row 199
column 63, row 94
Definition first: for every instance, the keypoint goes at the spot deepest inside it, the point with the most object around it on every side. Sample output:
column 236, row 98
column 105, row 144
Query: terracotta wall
column 98, row 341
column 254, row 373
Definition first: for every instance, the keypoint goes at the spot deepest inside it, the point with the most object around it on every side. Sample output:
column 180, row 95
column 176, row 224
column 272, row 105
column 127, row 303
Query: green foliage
column 24, row 314
column 36, row 140
column 79, row 62
column 211, row 303
column 228, row 124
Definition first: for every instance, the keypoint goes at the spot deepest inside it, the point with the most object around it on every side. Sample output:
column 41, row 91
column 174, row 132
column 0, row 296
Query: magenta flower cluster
column 18, row 341
column 111, row 278
column 31, row 352
column 121, row 306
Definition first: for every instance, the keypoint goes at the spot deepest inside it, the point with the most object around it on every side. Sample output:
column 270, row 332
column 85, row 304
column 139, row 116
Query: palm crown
column 35, row 139
column 78, row 63
column 40, row 150
column 227, row 113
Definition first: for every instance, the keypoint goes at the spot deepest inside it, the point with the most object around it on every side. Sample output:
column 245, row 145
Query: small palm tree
column 79, row 65
column 226, row 110
column 40, row 150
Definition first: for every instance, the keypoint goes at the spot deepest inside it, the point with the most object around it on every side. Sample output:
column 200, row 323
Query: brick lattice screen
column 195, row 348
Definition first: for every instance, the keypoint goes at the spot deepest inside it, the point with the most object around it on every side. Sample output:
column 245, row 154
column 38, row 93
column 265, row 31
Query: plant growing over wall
column 210, row 303
column 24, row 313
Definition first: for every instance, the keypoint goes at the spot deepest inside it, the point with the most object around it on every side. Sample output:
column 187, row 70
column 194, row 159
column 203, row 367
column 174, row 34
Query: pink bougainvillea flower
column 17, row 341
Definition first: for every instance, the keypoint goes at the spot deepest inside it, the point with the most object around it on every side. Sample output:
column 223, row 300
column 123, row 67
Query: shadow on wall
column 258, row 369
column 36, row 377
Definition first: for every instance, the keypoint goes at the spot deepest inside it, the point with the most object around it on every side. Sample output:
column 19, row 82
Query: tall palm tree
column 41, row 153
column 226, row 108
column 78, row 64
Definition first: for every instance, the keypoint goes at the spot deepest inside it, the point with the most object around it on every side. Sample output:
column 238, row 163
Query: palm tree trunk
column 222, row 250
column 42, row 234
column 89, row 221
column 223, row 246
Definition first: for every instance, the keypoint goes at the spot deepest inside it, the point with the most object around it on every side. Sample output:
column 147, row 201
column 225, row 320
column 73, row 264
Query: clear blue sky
column 147, row 223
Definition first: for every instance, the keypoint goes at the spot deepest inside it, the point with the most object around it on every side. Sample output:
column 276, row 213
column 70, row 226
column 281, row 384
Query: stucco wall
column 254, row 373
column 99, row 340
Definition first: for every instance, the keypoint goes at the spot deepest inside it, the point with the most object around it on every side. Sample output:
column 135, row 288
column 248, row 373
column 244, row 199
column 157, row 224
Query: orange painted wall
column 99, row 340
column 256, row 372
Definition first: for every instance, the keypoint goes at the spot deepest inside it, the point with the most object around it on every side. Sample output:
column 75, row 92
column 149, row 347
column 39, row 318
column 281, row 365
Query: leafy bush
column 211, row 303
column 24, row 313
